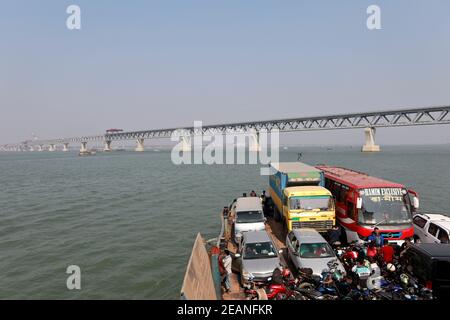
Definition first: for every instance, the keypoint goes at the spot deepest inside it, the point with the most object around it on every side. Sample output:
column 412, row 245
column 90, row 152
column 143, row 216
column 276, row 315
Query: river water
column 128, row 220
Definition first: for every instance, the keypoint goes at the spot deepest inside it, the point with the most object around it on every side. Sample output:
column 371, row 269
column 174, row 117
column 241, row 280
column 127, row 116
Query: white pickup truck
column 431, row 228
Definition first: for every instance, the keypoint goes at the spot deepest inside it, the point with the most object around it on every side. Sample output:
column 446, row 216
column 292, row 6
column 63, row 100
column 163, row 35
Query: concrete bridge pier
column 140, row 145
column 65, row 147
column 83, row 146
column 51, row 147
column 370, row 145
column 31, row 148
column 186, row 144
column 107, row 147
column 254, row 145
column 41, row 147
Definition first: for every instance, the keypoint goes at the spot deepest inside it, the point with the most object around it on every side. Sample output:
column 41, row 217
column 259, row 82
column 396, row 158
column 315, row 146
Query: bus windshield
column 311, row 203
column 384, row 206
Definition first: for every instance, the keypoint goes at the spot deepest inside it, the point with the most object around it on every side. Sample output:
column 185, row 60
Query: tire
column 298, row 296
column 280, row 296
column 344, row 240
column 306, row 285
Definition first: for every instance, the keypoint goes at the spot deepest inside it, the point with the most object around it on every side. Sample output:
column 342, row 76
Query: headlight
column 246, row 275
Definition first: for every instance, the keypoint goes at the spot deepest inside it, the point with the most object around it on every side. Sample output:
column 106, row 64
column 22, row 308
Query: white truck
column 431, row 228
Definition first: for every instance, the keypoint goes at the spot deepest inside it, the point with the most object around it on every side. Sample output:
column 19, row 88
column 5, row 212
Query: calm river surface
column 129, row 219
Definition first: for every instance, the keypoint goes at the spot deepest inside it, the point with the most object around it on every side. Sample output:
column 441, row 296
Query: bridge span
column 368, row 121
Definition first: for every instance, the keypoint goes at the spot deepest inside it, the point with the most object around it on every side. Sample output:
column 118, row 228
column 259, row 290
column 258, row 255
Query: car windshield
column 259, row 250
column 316, row 250
column 249, row 216
column 310, row 203
column 384, row 206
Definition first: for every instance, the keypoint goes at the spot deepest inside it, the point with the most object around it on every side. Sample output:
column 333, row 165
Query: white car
column 248, row 216
column 431, row 228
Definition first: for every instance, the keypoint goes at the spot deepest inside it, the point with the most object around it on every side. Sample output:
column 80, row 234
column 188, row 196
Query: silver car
column 258, row 257
column 308, row 249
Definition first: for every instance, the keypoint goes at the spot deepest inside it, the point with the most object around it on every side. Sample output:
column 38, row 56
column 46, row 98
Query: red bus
column 364, row 202
column 114, row 130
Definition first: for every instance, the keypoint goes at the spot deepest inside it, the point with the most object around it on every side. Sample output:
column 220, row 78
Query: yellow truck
column 300, row 198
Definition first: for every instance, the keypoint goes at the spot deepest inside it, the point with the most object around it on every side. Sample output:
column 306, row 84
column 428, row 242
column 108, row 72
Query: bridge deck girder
column 387, row 118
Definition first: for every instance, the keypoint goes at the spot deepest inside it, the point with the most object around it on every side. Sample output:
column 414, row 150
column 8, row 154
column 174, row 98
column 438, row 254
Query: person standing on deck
column 263, row 197
column 334, row 236
column 387, row 252
column 227, row 260
column 376, row 237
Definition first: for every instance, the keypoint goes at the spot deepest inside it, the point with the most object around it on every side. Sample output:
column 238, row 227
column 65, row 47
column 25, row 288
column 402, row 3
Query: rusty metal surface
column 198, row 282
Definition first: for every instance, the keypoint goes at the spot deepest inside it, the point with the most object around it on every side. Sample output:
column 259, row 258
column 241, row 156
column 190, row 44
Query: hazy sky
column 155, row 64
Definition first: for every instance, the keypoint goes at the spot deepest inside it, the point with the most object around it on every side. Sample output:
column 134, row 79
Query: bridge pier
column 186, row 144
column 370, row 145
column 254, row 145
column 51, row 147
column 65, row 147
column 40, row 147
column 107, row 147
column 140, row 145
column 83, row 146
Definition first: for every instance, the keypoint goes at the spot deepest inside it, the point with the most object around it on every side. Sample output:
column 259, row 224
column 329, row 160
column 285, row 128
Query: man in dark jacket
column 334, row 235
column 376, row 237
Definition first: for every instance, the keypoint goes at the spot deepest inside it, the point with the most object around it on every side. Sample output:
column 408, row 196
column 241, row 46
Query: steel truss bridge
column 369, row 120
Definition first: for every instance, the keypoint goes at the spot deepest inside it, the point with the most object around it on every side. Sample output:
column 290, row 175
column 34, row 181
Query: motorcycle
column 323, row 287
column 274, row 291
column 361, row 272
column 351, row 254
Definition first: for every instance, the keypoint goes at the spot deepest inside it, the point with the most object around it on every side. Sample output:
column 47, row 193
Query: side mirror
column 359, row 203
column 416, row 203
column 415, row 199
